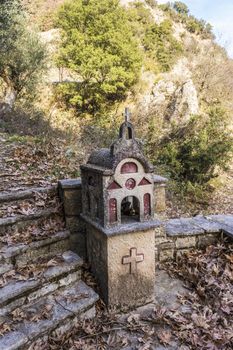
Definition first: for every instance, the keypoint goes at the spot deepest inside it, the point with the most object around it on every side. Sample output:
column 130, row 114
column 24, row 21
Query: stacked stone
column 50, row 297
column 177, row 236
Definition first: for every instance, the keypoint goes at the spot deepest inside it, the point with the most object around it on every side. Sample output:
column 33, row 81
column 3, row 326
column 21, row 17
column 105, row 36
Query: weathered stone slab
column 25, row 218
column 222, row 219
column 225, row 222
column 19, row 195
column 160, row 179
column 167, row 289
column 13, row 341
column 71, row 263
column 16, row 289
column 35, row 251
column 182, row 227
column 207, row 225
column 68, row 303
column 18, row 302
column 5, row 268
column 64, row 274
column 11, row 251
column 72, row 201
column 70, row 184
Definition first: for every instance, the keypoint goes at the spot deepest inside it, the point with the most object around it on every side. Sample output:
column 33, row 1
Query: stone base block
column 166, row 254
column 124, row 265
column 208, row 239
column 185, row 242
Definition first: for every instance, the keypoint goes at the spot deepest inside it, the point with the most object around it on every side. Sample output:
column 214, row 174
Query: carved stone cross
column 127, row 115
column 133, row 259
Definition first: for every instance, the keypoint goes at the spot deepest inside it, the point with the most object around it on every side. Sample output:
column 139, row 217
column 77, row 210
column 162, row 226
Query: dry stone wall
column 172, row 237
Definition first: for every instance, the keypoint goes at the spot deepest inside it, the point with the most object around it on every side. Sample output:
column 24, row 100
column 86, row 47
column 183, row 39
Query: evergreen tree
column 98, row 48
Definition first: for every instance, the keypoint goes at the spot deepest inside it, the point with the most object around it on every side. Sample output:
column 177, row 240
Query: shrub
column 195, row 152
column 22, row 55
column 161, row 44
column 179, row 12
column 151, row 3
column 181, row 8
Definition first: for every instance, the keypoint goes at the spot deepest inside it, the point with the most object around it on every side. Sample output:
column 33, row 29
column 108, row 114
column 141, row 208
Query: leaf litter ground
column 197, row 314
column 28, row 161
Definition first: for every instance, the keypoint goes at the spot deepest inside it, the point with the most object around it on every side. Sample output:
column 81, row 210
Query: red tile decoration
column 143, row 182
column 129, row 167
column 130, row 184
column 114, row 186
column 147, row 205
column 112, row 210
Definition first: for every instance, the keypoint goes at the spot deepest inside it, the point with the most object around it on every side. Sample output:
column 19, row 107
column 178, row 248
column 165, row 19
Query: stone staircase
column 41, row 291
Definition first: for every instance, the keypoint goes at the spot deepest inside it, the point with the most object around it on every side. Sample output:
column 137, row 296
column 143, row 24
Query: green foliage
column 179, row 12
column 181, row 8
column 161, row 44
column 196, row 26
column 151, row 3
column 193, row 153
column 161, row 49
column 22, row 55
column 98, row 48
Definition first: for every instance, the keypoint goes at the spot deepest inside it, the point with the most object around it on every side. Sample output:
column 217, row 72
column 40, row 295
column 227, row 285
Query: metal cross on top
column 127, row 115
column 133, row 259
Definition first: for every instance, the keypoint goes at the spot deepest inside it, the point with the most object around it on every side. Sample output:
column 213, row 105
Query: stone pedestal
column 123, row 261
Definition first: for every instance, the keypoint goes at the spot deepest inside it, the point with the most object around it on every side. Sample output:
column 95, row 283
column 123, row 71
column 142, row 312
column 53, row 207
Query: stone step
column 11, row 196
column 18, row 292
column 24, row 220
column 21, row 254
column 59, row 311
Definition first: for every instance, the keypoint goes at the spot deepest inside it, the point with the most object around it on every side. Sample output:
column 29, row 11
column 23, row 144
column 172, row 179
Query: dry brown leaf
column 164, row 336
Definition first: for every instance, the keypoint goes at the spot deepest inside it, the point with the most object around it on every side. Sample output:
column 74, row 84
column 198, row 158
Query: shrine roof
column 126, row 146
column 102, row 157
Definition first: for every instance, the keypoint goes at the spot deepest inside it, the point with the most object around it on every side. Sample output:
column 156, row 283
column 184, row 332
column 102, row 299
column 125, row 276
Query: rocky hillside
column 198, row 77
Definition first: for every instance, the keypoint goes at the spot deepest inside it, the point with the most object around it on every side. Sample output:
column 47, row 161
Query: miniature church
column 118, row 208
column 117, row 183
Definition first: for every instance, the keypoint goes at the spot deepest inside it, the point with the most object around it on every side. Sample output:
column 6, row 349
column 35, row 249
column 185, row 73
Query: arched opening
column 129, row 134
column 130, row 209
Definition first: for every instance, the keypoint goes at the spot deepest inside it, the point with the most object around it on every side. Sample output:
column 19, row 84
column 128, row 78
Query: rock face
column 174, row 96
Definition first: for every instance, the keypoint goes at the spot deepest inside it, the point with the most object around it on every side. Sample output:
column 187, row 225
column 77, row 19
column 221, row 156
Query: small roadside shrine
column 118, row 207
